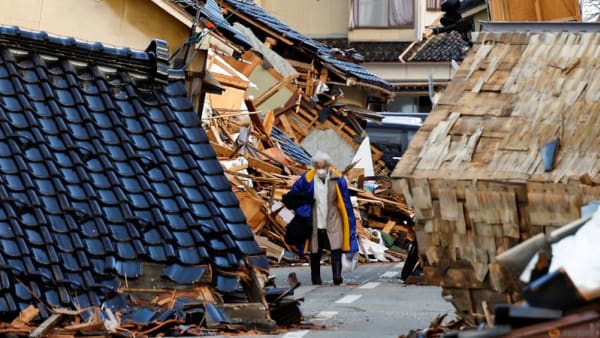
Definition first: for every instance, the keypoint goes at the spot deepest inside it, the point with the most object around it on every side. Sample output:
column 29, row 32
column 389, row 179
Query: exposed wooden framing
column 46, row 325
column 274, row 89
column 230, row 81
column 287, row 127
column 257, row 123
column 263, row 165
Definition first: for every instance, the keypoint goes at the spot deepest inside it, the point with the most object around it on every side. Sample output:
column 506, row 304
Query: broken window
column 382, row 13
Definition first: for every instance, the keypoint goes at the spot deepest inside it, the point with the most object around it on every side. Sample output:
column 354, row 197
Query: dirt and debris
column 437, row 328
column 262, row 153
column 262, row 172
column 557, row 279
column 162, row 312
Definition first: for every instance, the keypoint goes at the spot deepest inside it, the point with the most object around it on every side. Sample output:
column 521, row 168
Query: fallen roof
column 104, row 167
column 212, row 12
column 290, row 148
column 438, row 48
column 514, row 93
column 510, row 151
column 262, row 20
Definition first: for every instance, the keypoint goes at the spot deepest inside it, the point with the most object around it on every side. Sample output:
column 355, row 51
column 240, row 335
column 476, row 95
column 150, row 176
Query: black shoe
column 315, row 269
column 336, row 267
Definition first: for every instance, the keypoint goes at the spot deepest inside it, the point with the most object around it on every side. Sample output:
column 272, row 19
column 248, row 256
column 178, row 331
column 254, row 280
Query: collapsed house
column 509, row 152
column 110, row 188
column 326, row 105
column 280, row 100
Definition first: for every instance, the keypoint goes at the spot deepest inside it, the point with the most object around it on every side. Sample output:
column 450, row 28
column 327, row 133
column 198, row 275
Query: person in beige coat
column 333, row 221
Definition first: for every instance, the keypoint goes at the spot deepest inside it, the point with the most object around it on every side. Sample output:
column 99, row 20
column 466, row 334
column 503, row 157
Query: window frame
column 434, row 5
column 389, row 26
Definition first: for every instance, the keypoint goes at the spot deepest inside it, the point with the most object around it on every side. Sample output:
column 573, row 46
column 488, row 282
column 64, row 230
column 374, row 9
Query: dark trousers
column 315, row 259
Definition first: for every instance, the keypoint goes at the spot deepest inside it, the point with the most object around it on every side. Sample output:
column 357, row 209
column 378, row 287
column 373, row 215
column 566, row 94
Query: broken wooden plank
column 221, row 150
column 25, row 316
column 388, row 227
column 274, row 89
column 287, row 127
column 46, row 325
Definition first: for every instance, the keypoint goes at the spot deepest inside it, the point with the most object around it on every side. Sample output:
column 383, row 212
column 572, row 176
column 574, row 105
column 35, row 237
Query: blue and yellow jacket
column 306, row 184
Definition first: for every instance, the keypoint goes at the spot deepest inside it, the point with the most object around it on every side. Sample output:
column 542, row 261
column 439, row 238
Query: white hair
column 320, row 156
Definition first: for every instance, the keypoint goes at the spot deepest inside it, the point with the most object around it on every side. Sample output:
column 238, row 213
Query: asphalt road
column 373, row 304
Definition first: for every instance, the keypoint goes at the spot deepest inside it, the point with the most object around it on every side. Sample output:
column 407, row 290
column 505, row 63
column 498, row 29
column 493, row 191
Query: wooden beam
column 300, row 65
column 287, row 127
column 389, row 227
column 46, row 325
column 230, row 81
column 274, row 89
column 255, row 163
column 258, row 124
column 25, row 316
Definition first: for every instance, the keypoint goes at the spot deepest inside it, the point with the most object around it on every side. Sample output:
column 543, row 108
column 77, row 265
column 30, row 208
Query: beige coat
column 334, row 218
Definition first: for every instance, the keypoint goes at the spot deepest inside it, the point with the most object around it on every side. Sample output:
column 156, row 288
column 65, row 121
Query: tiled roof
column 371, row 51
column 104, row 166
column 290, row 148
column 305, row 44
column 439, row 48
column 212, row 12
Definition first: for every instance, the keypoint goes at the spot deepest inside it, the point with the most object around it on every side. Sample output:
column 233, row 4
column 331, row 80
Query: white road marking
column 399, row 265
column 370, row 285
column 296, row 334
column 326, row 315
column 390, row 274
column 348, row 299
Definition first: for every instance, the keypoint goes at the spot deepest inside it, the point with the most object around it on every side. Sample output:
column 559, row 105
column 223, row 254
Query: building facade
column 131, row 23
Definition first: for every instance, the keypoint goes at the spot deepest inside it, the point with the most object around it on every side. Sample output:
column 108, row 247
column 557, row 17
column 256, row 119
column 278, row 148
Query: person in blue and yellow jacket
column 334, row 224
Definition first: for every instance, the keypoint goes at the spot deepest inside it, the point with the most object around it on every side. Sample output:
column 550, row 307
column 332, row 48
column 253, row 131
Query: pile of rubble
column 274, row 108
column 556, row 276
column 263, row 162
column 139, row 312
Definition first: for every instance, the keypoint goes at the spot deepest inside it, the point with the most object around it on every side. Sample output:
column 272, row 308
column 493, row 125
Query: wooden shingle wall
column 474, row 172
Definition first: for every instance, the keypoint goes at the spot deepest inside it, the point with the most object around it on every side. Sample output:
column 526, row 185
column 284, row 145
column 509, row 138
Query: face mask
column 322, row 173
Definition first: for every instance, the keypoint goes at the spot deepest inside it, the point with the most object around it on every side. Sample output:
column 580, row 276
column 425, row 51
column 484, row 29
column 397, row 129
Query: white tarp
column 590, row 10
column 376, row 250
column 578, row 255
column 364, row 157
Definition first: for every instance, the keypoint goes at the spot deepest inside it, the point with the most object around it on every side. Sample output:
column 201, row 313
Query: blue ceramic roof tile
column 372, row 51
column 439, row 48
column 290, row 148
column 212, row 12
column 103, row 170
column 303, row 43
